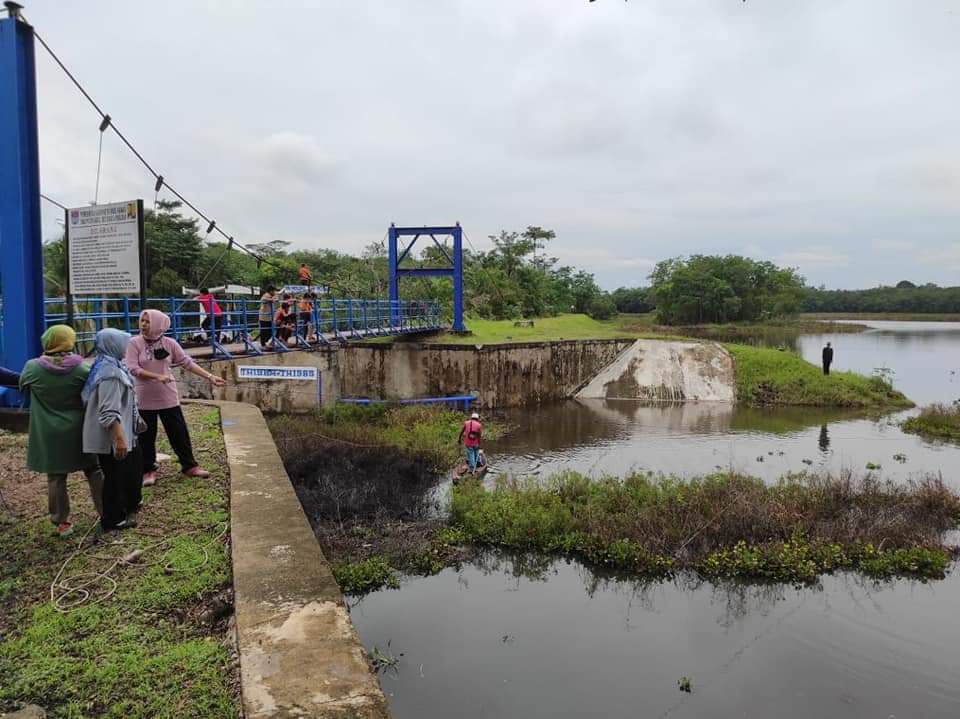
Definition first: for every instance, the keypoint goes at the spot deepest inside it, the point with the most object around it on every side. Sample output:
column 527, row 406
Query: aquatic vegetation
column 365, row 576
column 384, row 659
column 769, row 377
column 900, row 457
column 426, row 433
column 801, row 561
column 937, row 420
column 684, row 684
column 873, row 466
column 722, row 525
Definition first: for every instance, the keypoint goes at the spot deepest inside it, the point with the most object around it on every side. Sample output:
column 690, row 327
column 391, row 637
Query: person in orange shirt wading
column 470, row 435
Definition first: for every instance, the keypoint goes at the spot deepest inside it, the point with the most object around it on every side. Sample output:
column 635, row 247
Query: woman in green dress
column 55, row 446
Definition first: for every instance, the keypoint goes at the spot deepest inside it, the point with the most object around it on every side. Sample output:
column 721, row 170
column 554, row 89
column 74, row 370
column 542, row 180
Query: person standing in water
column 827, row 358
column 470, row 435
column 151, row 357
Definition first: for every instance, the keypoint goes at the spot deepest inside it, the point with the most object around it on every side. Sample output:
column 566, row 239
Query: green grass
column 545, row 329
column 893, row 316
column 144, row 652
column 422, row 430
column 365, row 576
column 772, row 377
column 937, row 420
column 721, row 525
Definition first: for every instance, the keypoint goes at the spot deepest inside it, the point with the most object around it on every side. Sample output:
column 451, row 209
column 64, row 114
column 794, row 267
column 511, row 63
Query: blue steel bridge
column 236, row 332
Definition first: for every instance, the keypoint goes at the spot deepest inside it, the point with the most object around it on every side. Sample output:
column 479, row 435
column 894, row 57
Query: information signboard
column 272, row 372
column 105, row 249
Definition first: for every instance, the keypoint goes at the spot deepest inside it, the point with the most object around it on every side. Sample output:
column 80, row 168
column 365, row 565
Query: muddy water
column 613, row 437
column 546, row 638
column 484, row 642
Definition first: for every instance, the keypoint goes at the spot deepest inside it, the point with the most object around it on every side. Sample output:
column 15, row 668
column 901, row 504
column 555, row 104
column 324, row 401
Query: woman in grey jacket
column 109, row 429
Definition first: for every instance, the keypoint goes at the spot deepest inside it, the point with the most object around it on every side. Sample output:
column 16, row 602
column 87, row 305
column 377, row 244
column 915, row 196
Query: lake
column 538, row 636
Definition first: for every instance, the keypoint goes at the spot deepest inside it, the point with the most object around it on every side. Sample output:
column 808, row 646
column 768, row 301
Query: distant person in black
column 827, row 358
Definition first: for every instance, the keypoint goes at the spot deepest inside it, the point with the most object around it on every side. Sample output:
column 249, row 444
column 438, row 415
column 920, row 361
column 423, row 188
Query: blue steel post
column 392, row 272
column 458, row 279
column 20, row 236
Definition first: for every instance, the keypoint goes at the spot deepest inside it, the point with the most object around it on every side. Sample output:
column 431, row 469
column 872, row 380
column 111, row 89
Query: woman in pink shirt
column 150, row 357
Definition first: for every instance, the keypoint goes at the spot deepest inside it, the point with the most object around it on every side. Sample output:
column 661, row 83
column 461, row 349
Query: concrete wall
column 269, row 395
column 502, row 375
column 299, row 653
column 658, row 370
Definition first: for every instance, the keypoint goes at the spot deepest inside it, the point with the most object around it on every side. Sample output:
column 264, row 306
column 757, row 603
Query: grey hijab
column 111, row 346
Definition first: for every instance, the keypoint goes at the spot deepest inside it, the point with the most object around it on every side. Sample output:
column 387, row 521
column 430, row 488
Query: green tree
column 172, row 243
column 727, row 288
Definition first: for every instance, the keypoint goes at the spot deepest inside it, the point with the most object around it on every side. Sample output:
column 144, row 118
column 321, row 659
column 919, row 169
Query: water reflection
column 508, row 638
column 614, row 437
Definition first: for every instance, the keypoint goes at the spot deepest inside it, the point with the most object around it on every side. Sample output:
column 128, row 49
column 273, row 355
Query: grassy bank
column 628, row 326
column 937, row 420
column 544, row 329
column 723, row 525
column 768, row 377
column 427, row 433
column 364, row 476
column 780, row 330
column 375, row 516
column 155, row 644
column 892, row 316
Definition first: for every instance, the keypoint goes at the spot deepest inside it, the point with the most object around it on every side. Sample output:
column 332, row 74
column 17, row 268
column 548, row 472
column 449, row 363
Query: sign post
column 105, row 250
column 275, row 372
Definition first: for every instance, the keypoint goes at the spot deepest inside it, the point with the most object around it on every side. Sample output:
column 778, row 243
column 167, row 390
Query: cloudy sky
column 822, row 134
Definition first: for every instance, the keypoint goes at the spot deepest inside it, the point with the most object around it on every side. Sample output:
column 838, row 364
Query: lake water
column 496, row 639
column 541, row 637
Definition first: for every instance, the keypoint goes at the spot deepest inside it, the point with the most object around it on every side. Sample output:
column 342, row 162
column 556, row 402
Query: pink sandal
column 149, row 479
column 196, row 471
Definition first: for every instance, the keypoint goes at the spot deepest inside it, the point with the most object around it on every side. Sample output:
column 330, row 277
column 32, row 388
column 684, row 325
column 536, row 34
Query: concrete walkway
column 299, row 653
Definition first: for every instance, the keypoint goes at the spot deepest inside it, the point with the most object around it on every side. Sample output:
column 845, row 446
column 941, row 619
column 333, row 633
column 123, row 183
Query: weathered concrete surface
column 270, row 396
column 506, row 375
column 31, row 711
column 659, row 370
column 299, row 653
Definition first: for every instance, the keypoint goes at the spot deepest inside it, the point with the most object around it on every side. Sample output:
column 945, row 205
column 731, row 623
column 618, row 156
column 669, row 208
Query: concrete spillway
column 656, row 370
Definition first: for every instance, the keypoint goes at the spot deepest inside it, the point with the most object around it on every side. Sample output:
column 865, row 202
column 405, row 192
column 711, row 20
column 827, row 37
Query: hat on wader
column 474, row 416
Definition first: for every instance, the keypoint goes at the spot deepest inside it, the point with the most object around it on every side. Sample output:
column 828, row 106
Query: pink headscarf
column 159, row 323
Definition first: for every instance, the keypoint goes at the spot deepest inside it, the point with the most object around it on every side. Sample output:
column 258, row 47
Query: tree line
column 517, row 277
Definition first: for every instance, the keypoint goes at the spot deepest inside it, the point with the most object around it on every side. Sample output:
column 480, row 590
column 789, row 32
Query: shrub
column 602, row 308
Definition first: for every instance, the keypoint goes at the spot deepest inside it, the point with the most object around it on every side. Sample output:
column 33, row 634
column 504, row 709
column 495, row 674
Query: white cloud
column 637, row 131
column 599, row 258
column 893, row 245
column 813, row 259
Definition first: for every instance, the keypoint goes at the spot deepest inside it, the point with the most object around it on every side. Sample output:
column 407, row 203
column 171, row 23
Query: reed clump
column 936, row 420
column 724, row 524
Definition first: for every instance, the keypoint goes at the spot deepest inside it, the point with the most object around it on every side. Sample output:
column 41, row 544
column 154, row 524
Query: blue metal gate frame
column 455, row 270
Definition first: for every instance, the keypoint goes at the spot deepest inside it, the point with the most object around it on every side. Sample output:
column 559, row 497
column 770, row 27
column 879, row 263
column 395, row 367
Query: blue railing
column 327, row 321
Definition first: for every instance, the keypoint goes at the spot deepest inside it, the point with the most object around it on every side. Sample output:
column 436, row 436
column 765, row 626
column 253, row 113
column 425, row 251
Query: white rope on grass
column 63, row 587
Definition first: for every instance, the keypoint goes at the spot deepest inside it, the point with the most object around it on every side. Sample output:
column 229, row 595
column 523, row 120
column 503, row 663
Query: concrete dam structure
column 660, row 371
